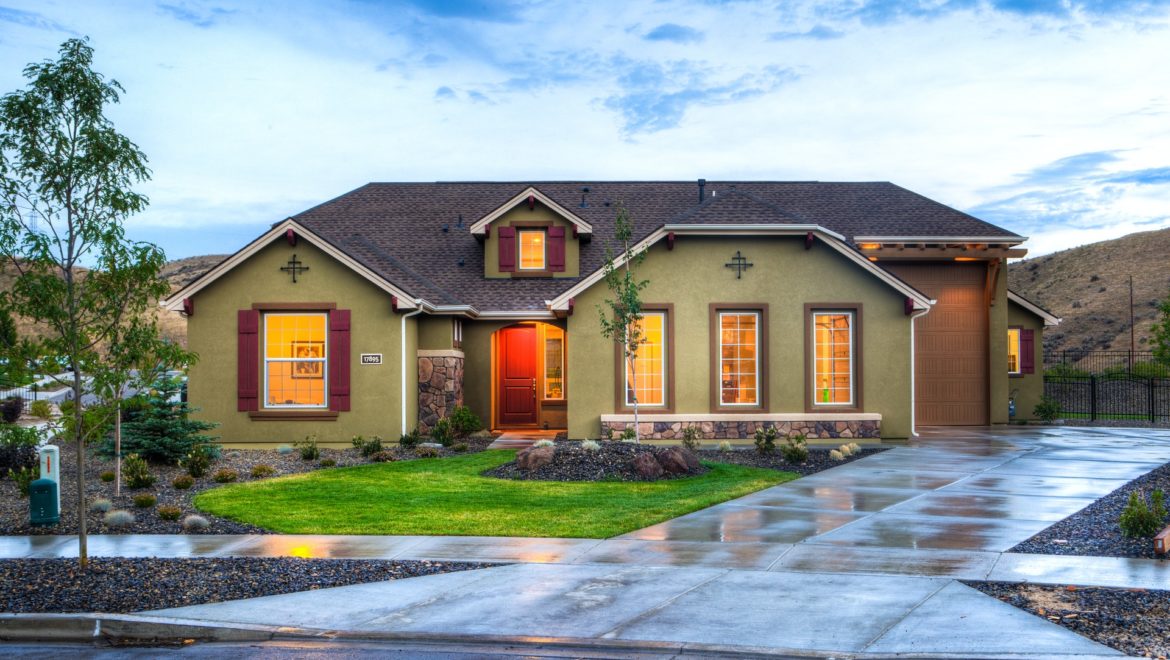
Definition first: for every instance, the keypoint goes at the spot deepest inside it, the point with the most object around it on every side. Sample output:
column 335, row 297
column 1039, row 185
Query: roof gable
column 1049, row 318
column 480, row 226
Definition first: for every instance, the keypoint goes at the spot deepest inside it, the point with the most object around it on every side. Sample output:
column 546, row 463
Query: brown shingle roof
column 416, row 234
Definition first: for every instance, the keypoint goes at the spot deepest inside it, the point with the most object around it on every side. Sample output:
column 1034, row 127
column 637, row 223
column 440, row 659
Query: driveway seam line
column 643, row 614
column 946, row 583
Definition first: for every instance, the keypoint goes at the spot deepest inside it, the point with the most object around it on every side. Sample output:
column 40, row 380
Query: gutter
column 402, row 332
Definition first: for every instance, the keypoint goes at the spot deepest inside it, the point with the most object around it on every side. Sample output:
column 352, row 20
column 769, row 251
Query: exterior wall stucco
column 212, row 332
column 434, row 333
column 521, row 214
column 1027, row 388
column 477, row 366
column 785, row 276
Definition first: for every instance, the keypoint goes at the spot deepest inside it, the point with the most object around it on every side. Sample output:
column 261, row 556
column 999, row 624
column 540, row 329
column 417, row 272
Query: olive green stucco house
column 839, row 310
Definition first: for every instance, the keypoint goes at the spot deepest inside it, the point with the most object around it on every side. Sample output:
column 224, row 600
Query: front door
column 517, row 376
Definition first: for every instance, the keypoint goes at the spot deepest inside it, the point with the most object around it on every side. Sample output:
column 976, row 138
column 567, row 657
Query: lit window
column 738, row 363
column 649, row 373
column 531, row 249
column 294, row 360
column 832, row 358
column 1014, row 351
column 554, row 363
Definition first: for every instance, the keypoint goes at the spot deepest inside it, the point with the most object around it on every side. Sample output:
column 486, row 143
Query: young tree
column 621, row 315
column 1161, row 334
column 66, row 178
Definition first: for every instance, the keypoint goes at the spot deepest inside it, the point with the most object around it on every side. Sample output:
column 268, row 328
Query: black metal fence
column 1109, row 385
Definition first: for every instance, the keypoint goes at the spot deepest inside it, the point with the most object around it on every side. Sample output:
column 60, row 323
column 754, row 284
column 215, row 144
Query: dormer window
column 532, row 249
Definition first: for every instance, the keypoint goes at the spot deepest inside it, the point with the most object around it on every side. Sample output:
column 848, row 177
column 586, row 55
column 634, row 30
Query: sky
column 1050, row 118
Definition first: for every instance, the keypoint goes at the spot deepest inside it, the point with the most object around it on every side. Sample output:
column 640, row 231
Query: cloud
column 1065, row 169
column 492, row 11
column 679, row 34
column 1151, row 176
column 444, row 93
column 198, row 18
column 884, row 12
column 818, row 32
column 31, row 19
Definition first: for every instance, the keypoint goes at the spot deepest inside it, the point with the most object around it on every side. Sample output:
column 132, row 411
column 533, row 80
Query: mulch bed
column 133, row 585
column 1094, row 531
column 14, row 507
column 612, row 461
column 1135, row 622
column 818, row 459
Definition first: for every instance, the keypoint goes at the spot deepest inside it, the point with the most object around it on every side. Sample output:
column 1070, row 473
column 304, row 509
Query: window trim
column 716, row 353
column 810, row 404
column 520, row 231
column 544, row 363
column 278, row 310
column 620, row 405
column 1019, row 372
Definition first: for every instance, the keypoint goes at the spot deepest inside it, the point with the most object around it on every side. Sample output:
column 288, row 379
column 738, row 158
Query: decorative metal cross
column 739, row 264
column 294, row 267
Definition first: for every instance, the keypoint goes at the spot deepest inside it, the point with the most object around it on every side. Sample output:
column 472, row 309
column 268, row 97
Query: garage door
column 951, row 343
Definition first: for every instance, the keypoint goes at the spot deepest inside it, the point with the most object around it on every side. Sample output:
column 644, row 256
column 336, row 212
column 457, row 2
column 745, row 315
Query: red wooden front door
column 517, row 374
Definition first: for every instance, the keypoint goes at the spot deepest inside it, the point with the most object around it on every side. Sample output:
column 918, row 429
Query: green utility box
column 42, row 503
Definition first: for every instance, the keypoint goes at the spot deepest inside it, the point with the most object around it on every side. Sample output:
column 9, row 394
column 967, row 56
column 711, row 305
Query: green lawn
column 449, row 497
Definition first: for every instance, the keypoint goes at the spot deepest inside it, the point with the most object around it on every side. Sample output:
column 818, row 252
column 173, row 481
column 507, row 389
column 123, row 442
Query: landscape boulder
column 678, row 460
column 647, row 466
column 534, row 458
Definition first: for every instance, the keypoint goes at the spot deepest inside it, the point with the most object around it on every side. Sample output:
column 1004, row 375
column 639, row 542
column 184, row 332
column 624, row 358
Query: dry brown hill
column 1088, row 287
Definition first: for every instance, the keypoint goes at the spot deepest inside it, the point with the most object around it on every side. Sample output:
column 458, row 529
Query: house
column 840, row 310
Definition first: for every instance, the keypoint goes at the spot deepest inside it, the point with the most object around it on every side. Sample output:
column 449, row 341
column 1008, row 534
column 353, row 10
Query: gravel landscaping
column 818, row 459
column 134, row 585
column 1135, row 622
column 1094, row 531
column 14, row 507
column 610, row 461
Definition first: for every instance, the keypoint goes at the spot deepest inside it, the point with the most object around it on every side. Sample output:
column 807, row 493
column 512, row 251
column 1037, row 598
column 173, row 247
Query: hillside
column 1088, row 287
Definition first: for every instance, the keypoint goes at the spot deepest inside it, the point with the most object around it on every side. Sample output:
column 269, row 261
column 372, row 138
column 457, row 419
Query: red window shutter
column 248, row 360
column 507, row 241
column 556, row 249
column 1028, row 351
column 339, row 359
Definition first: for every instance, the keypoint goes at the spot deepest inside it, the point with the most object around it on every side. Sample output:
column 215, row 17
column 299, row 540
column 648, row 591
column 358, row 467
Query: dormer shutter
column 1028, row 351
column 556, row 249
column 507, row 243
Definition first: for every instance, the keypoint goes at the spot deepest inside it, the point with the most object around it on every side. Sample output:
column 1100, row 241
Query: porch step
column 521, row 439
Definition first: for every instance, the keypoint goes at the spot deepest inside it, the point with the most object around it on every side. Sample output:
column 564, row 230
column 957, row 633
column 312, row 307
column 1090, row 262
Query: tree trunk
column 118, row 449
column 634, row 384
column 79, row 436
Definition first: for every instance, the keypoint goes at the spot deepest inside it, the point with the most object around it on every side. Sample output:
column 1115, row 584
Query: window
column 833, row 358
column 739, row 367
column 649, row 364
column 295, row 360
column 457, row 332
column 1014, row 363
column 532, row 242
column 554, row 363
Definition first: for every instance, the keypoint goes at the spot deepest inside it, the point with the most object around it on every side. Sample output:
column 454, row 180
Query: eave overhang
column 1050, row 319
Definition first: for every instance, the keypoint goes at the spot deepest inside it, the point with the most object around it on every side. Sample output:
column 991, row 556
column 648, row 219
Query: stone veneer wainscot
column 440, row 386
column 734, row 427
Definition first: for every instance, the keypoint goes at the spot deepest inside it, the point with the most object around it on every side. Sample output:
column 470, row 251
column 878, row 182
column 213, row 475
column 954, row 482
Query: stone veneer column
column 440, row 385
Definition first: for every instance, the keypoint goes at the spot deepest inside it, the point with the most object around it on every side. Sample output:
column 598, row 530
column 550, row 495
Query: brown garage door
column 951, row 357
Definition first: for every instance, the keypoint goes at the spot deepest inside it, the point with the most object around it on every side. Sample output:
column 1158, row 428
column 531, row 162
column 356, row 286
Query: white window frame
column 662, row 358
column 852, row 357
column 520, row 249
column 1019, row 370
column 267, row 360
column 759, row 320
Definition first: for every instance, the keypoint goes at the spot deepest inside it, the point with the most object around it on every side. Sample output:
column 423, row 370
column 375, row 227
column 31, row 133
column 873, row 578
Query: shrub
column 426, row 452
column 854, row 448
column 183, row 481
column 23, row 478
column 108, row 476
column 327, row 462
column 262, row 470
column 544, row 443
column 460, row 447
column 136, row 473
column 442, row 432
column 795, row 450
column 725, row 446
column 367, row 448
column 18, row 447
column 284, row 450
column 195, row 523
column 766, row 440
column 836, row 455
column 1048, row 409
column 11, row 408
column 145, row 500
column 607, row 433
column 225, row 476
column 119, row 518
column 590, row 445
column 464, row 422
column 308, row 448
column 690, row 438
column 845, row 451
column 198, row 460
column 383, row 457
column 101, row 505
column 163, row 431
column 41, row 409
column 410, row 440
column 169, row 512
column 1142, row 520
column 97, row 422
column 629, row 434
